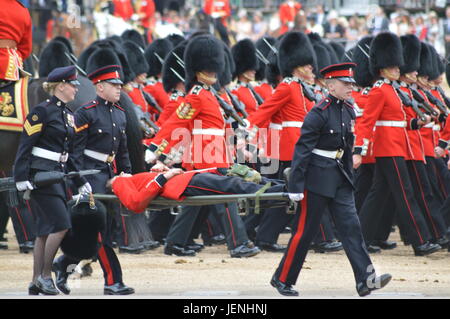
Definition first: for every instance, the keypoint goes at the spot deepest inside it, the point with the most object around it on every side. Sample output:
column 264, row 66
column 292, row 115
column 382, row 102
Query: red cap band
column 339, row 74
column 106, row 76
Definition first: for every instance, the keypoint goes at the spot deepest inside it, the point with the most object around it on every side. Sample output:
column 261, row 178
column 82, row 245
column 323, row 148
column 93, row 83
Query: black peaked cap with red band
column 341, row 71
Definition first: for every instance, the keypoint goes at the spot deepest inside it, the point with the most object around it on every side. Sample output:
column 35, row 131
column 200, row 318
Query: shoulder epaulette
column 196, row 89
column 365, row 91
column 90, row 105
column 378, row 83
column 288, row 79
column 324, row 103
column 350, row 105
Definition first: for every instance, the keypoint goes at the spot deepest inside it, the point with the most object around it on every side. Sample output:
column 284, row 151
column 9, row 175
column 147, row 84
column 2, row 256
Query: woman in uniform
column 45, row 146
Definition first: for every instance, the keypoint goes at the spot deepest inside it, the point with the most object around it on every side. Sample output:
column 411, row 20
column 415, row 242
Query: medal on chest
column 70, row 120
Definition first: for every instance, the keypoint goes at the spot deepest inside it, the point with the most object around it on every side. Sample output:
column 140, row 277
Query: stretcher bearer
column 321, row 178
column 101, row 143
column 391, row 146
column 46, row 145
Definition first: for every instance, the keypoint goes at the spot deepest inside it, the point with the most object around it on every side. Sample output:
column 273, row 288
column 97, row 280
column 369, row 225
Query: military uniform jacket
column 201, row 116
column 246, row 96
column 156, row 89
column 50, row 125
column 289, row 99
column 328, row 126
column 264, row 89
column 430, row 133
column 384, row 110
column 360, row 98
column 101, row 127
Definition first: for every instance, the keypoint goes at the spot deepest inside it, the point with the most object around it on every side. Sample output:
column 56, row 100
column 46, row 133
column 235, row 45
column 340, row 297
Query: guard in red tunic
column 244, row 56
column 287, row 12
column 155, row 54
column 201, row 119
column 385, row 111
column 218, row 9
column 15, row 39
column 415, row 162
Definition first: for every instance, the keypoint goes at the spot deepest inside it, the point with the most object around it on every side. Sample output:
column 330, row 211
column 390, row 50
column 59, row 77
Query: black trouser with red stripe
column 326, row 229
column 23, row 222
column 436, row 180
column 306, row 226
column 391, row 177
column 429, row 204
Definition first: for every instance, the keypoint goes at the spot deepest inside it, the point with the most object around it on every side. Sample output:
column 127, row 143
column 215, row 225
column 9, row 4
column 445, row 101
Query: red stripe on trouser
column 21, row 223
column 323, row 233
column 210, row 231
column 406, row 200
column 231, row 224
column 424, row 201
column 441, row 183
column 295, row 239
column 29, row 208
column 104, row 260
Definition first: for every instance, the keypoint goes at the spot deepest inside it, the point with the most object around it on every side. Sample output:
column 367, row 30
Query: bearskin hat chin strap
column 202, row 77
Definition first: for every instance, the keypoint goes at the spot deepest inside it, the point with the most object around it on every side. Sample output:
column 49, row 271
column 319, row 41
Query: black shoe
column 373, row 249
column 3, row 239
column 385, row 244
column 426, row 249
column 327, row 246
column 3, row 246
column 285, row 290
column 244, row 251
column 46, row 286
column 26, row 247
column 365, row 288
column 172, row 249
column 118, row 289
column 443, row 242
column 276, row 248
column 150, row 244
column 135, row 249
column 61, row 276
column 215, row 240
column 33, row 290
column 194, row 246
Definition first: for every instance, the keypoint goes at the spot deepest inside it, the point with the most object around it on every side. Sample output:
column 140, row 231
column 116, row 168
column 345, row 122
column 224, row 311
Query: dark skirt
column 50, row 209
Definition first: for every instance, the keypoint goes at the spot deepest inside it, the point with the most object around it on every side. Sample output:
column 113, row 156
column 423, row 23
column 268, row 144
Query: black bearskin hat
column 54, row 55
column 169, row 78
column 426, row 61
column 226, row 76
column 175, row 39
column 102, row 57
column 81, row 241
column 134, row 36
column 295, row 50
column 348, row 55
column 273, row 73
column 323, row 58
column 135, row 57
column 411, row 53
column 157, row 49
column 265, row 50
column 361, row 73
column 66, row 41
column 244, row 56
column 203, row 53
column 338, row 49
column 438, row 64
column 385, row 51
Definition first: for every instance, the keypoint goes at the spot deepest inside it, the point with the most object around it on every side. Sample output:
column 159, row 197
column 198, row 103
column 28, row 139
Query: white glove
column 150, row 157
column 85, row 189
column 23, row 186
column 296, row 197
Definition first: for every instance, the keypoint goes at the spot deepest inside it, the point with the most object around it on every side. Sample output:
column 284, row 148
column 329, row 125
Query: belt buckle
column 340, row 153
column 63, row 158
column 110, row 158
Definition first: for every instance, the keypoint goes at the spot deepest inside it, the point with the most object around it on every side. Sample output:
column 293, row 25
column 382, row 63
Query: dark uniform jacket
column 328, row 126
column 101, row 128
column 50, row 125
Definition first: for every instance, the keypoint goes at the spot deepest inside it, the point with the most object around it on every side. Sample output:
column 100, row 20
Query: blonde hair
column 50, row 87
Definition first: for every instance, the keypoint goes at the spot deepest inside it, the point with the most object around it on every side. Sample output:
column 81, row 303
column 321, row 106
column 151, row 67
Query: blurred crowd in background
column 83, row 21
